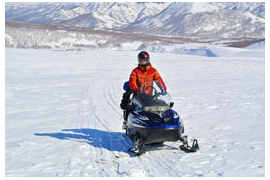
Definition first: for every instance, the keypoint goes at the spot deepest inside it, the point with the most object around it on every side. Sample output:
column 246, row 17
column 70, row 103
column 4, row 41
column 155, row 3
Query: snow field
column 63, row 116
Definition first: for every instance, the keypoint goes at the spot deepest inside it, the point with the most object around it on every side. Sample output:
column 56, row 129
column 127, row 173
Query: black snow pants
column 124, row 103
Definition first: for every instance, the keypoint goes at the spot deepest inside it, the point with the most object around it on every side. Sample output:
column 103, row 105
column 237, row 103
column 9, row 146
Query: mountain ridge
column 121, row 16
column 132, row 25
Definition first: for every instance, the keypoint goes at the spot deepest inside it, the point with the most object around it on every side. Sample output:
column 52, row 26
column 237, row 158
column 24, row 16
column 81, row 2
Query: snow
column 257, row 46
column 62, row 114
column 203, row 49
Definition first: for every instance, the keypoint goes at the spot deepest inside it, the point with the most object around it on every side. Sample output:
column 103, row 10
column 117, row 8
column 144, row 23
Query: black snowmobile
column 151, row 119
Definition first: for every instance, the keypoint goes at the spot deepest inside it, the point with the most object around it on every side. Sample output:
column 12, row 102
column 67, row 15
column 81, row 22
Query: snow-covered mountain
column 93, row 15
column 255, row 7
column 21, row 34
column 118, row 15
column 138, row 23
column 215, row 24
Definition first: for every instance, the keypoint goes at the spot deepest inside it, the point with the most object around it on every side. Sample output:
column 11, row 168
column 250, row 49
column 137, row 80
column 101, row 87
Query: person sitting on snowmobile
column 141, row 74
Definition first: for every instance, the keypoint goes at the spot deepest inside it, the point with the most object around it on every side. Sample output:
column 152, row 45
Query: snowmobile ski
column 139, row 147
column 188, row 149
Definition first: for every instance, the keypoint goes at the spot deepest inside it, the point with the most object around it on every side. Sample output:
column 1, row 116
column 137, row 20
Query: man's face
column 143, row 62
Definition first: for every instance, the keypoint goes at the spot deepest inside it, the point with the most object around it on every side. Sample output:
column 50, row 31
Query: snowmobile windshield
column 153, row 97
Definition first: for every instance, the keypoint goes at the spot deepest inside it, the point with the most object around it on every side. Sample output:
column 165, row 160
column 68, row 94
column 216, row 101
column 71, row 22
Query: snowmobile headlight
column 156, row 108
column 147, row 108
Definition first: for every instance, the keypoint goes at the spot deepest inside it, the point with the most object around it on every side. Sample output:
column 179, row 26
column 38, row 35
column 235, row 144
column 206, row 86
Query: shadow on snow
column 112, row 141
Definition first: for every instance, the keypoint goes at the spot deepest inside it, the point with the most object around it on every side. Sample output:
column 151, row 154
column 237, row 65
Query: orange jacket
column 141, row 74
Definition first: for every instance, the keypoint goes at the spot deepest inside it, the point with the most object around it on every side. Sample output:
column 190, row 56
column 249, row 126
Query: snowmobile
column 151, row 119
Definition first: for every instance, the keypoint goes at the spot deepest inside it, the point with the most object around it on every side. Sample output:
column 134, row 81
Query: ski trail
column 101, row 110
column 106, row 113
